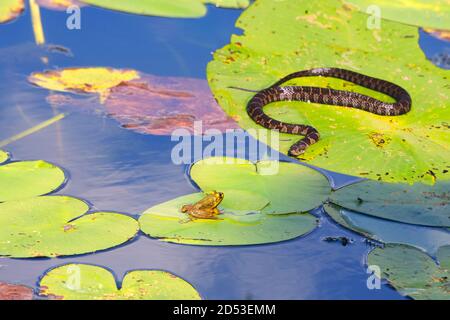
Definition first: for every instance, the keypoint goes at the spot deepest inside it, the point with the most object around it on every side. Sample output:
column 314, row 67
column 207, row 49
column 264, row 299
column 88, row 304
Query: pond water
column 120, row 170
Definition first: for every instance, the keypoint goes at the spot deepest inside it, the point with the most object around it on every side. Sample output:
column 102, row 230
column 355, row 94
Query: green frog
column 205, row 208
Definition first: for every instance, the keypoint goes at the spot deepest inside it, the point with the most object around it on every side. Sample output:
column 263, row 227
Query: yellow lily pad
column 83, row 80
column 87, row 282
column 11, row 9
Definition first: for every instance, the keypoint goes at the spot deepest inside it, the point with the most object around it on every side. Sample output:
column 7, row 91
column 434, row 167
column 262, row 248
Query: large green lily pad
column 413, row 273
column 310, row 34
column 291, row 187
column 385, row 231
column 417, row 204
column 10, row 9
column 166, row 222
column 53, row 226
column 4, row 156
column 422, row 13
column 26, row 179
column 87, row 282
column 164, row 8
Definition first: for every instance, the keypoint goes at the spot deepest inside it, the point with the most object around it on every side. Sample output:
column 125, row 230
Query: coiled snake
column 325, row 96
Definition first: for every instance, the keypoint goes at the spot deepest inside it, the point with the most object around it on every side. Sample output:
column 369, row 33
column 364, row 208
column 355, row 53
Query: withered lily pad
column 83, row 80
column 141, row 102
column 385, row 231
column 10, row 291
column 25, row 179
column 164, row 8
column 11, row 9
column 413, row 273
column 54, row 226
column 408, row 148
column 159, row 105
column 417, row 204
column 88, row 282
column 167, row 223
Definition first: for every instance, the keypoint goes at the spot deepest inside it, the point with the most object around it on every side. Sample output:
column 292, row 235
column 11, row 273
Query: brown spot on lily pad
column 379, row 139
column 15, row 292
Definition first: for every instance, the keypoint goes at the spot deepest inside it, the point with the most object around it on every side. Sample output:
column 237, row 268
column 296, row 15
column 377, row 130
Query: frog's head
column 218, row 196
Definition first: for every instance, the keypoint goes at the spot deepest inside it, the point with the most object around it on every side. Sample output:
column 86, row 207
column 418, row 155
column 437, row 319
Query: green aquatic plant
column 412, row 272
column 52, row 226
column 259, row 205
column 164, row 8
column 310, row 34
column 26, row 179
column 421, row 13
column 88, row 282
column 417, row 204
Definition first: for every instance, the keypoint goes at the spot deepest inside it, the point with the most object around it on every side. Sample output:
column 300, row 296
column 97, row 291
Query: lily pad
column 88, row 282
column 289, row 188
column 54, row 226
column 4, row 156
column 11, row 9
column 26, row 179
column 166, row 222
column 417, row 204
column 157, row 105
column 422, row 13
column 10, row 291
column 396, row 149
column 83, row 80
column 164, row 8
column 425, row 238
column 413, row 273
column 439, row 34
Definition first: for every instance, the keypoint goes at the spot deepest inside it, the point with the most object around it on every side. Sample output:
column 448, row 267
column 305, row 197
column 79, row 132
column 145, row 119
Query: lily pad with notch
column 89, row 282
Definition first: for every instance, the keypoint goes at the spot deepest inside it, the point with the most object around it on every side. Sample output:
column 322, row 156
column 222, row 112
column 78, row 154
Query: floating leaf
column 10, row 9
column 166, row 222
column 412, row 272
column 422, row 13
column 87, row 282
column 417, row 204
column 289, row 188
column 159, row 105
column 397, row 149
column 164, row 8
column 26, row 179
column 83, row 80
column 15, row 292
column 4, row 156
column 425, row 238
column 57, row 226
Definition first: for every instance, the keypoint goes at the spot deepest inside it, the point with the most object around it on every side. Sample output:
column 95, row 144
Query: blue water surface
column 120, row 170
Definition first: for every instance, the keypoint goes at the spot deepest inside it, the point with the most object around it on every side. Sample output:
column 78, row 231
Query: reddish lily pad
column 157, row 105
column 10, row 291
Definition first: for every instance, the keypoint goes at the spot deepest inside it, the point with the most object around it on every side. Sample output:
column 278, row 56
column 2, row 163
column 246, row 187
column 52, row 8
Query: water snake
column 325, row 96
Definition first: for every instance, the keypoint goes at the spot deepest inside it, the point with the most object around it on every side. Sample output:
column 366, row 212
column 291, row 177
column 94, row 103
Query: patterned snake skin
column 325, row 96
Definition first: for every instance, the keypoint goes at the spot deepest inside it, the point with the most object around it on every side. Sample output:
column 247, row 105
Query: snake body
column 325, row 96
